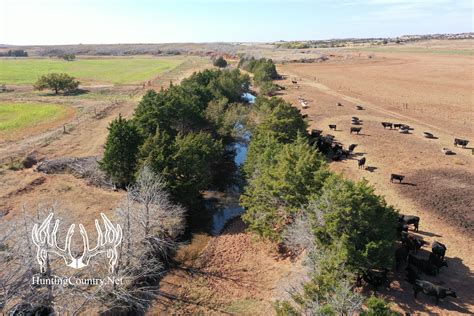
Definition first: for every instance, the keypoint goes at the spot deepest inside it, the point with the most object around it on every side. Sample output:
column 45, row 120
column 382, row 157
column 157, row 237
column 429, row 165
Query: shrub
column 220, row 62
column 69, row 57
column 378, row 307
column 268, row 88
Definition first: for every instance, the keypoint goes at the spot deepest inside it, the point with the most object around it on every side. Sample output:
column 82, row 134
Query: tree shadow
column 67, row 94
column 408, row 183
column 76, row 92
column 429, row 234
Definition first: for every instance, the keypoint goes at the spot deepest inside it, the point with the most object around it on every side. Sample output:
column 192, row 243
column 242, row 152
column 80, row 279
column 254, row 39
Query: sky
column 47, row 22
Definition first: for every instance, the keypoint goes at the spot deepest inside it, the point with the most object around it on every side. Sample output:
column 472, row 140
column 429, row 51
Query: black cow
column 430, row 289
column 316, row 133
column 337, row 156
column 356, row 129
column 397, row 125
column 423, row 265
column 336, row 147
column 410, row 220
column 387, row 124
column 304, row 116
column 402, row 230
column 361, row 162
column 356, row 122
column 412, row 274
column 359, row 107
column 355, row 118
column 332, row 126
column 436, row 261
column 439, row 249
column 398, row 177
column 345, row 153
column 294, row 82
column 401, row 255
column 413, row 243
column 376, row 278
column 462, row 142
column 352, row 147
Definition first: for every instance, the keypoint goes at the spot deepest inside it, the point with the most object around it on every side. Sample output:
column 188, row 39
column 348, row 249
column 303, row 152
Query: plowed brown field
column 430, row 93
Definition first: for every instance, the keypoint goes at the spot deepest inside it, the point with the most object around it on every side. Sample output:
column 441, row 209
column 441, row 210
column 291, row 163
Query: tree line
column 264, row 72
column 181, row 133
column 14, row 53
column 292, row 198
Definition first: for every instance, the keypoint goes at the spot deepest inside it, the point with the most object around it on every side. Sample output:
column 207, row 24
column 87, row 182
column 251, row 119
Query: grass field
column 99, row 70
column 17, row 116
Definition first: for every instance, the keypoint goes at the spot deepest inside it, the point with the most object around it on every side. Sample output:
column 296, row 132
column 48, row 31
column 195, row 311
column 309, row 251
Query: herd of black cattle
column 327, row 145
column 409, row 244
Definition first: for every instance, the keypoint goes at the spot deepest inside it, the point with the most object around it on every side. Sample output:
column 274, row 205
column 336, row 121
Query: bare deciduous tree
column 150, row 222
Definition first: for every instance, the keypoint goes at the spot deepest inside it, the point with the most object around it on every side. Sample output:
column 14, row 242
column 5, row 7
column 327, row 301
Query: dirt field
column 231, row 274
column 438, row 188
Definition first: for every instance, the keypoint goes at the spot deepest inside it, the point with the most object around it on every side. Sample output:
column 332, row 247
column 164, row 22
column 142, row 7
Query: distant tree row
column 15, row 53
column 180, row 132
column 293, row 198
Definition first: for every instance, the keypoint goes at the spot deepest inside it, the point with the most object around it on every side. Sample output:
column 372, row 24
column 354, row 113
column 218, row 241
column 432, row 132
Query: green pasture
column 17, row 116
column 98, row 70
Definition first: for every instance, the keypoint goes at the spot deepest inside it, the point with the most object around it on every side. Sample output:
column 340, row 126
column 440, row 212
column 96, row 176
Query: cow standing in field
column 356, row 129
column 387, row 124
column 401, row 255
column 430, row 289
column 376, row 278
column 361, row 162
column 462, row 142
column 396, row 177
column 437, row 262
column 423, row 265
column 316, row 133
column 410, row 220
column 413, row 243
column 294, row 82
column 332, row 127
column 439, row 249
column 412, row 274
